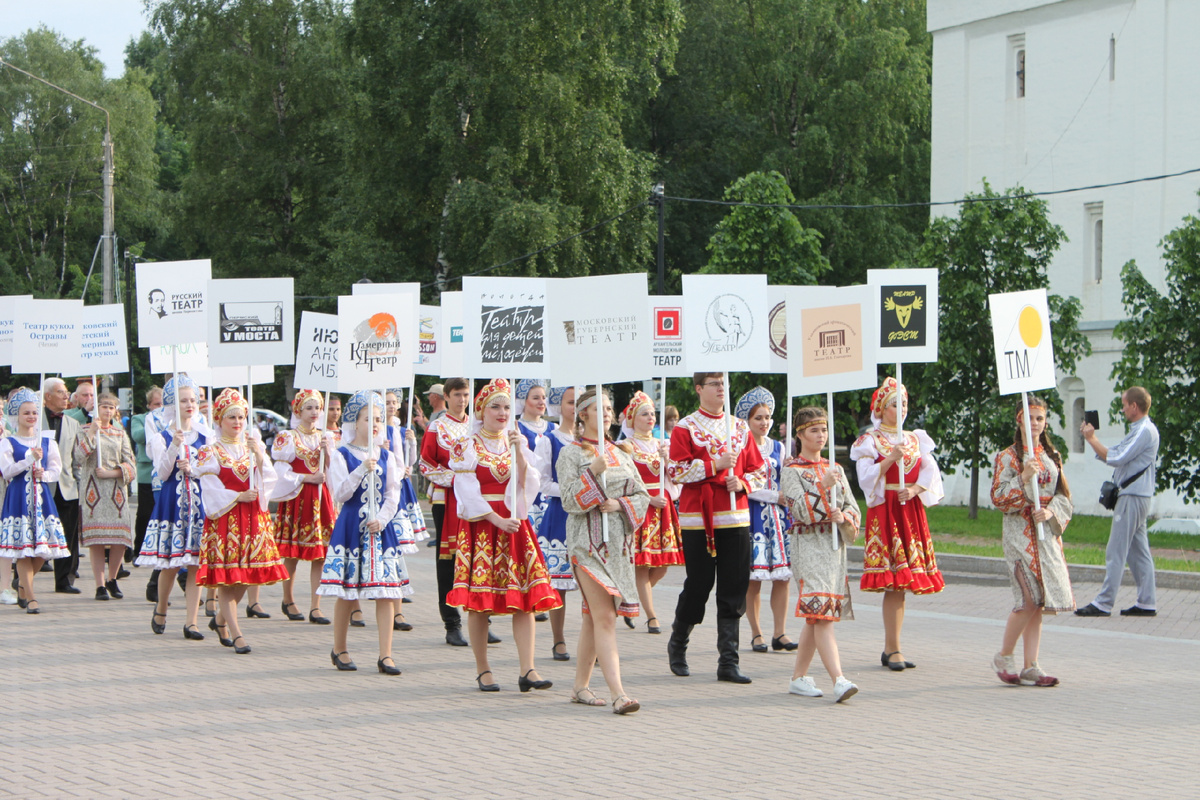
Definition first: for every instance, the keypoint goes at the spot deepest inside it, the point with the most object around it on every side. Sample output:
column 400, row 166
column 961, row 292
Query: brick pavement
column 99, row 707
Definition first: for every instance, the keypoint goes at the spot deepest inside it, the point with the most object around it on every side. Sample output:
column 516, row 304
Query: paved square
column 96, row 706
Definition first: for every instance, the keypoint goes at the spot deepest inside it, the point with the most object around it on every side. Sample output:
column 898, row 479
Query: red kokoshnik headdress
column 885, row 396
column 638, row 400
column 303, row 396
column 493, row 389
column 227, row 400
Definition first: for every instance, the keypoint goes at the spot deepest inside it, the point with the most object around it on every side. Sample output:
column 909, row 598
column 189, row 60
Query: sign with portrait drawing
column 172, row 305
column 504, row 328
column 597, row 328
column 726, row 320
column 831, row 339
column 906, row 307
column 251, row 321
column 1021, row 338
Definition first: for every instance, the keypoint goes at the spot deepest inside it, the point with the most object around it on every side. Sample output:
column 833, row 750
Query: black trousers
column 729, row 570
column 445, row 573
column 68, row 514
column 145, row 508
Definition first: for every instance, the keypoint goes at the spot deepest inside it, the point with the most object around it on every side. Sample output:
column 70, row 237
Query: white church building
column 1059, row 95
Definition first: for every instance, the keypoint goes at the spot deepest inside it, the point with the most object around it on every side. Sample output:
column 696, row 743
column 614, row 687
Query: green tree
column 833, row 95
column 752, row 240
column 1160, row 353
column 51, row 203
column 495, row 129
column 995, row 245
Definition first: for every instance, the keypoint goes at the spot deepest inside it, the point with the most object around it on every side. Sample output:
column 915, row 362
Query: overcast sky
column 107, row 25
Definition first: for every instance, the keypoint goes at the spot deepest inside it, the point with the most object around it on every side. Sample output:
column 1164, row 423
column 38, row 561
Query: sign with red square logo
column 667, row 323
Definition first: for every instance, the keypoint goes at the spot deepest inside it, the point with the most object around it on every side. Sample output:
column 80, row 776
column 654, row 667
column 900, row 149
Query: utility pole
column 659, row 199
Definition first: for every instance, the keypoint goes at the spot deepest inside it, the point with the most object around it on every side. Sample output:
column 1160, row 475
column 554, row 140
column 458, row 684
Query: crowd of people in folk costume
column 522, row 514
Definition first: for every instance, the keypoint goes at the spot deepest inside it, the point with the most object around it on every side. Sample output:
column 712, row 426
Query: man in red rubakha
column 712, row 466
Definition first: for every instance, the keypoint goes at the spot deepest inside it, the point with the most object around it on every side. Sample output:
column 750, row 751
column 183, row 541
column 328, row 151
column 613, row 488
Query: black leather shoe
column 213, row 626
column 757, row 646
column 406, row 599
column 256, row 611
column 357, row 623
column 155, row 625
column 652, row 628
column 69, row 590
column 317, row 619
column 563, row 656
column 885, row 659
column 297, row 617
column 241, row 650
column 192, row 632
column 524, row 684
column 208, row 612
column 486, row 687
column 629, row 623
column 731, row 674
column 493, row 638
column 1138, row 611
column 101, row 593
column 1090, row 610
column 401, row 624
column 114, row 591
column 385, row 669
column 778, row 644
column 454, row 638
column 344, row 666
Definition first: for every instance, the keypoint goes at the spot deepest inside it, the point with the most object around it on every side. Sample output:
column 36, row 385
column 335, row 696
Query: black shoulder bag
column 1109, row 492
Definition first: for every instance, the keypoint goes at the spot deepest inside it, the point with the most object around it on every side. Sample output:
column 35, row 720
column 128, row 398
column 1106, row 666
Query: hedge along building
column 1058, row 94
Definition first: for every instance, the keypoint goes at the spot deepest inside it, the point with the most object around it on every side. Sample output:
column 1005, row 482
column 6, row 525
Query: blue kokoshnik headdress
column 356, row 406
column 755, row 397
column 21, row 397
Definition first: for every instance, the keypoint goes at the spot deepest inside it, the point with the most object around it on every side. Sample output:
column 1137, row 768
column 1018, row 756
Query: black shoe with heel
column 256, row 611
column 155, row 625
column 297, row 617
column 400, row 624
column 207, row 611
column 894, row 666
column 317, row 619
column 757, row 646
column 652, row 628
column 192, row 632
column 778, row 644
column 560, row 656
column 524, row 684
column 215, row 628
column 385, row 669
column 357, row 623
column 486, row 687
column 242, row 650
column 344, row 666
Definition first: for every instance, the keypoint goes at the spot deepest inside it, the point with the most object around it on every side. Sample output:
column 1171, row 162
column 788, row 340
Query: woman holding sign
column 656, row 543
column 1036, row 567
column 238, row 548
column 770, row 561
column 606, row 501
column 306, row 511
column 402, row 442
column 176, row 525
column 498, row 568
column 363, row 561
column 107, row 467
column 30, row 530
column 898, row 554
column 817, row 496
column 552, row 532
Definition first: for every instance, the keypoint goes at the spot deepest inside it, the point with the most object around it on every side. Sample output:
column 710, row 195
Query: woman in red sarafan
column 238, row 546
column 898, row 555
column 498, row 566
column 306, row 510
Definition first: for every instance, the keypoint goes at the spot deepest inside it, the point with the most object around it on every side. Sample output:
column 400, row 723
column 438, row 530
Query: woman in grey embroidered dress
column 107, row 466
column 598, row 479
column 1036, row 567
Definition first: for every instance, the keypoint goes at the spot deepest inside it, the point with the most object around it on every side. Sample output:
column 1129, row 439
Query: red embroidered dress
column 696, row 442
column 656, row 542
column 439, row 438
column 306, row 511
column 494, row 571
column 898, row 553
column 238, row 545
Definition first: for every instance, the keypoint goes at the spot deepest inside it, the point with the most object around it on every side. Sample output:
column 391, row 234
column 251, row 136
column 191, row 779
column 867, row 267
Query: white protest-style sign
column 222, row 377
column 504, row 328
column 726, row 320
column 429, row 341
column 906, row 308
column 172, row 302
column 102, row 348
column 373, row 351
column 831, row 339
column 1021, row 337
column 777, row 329
column 598, row 328
column 190, row 357
column 8, row 305
column 452, row 335
column 46, row 336
column 251, row 321
column 411, row 289
column 666, row 337
column 317, row 352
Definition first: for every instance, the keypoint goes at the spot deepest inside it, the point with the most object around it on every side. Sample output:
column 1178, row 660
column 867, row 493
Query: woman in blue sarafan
column 769, row 524
column 531, row 407
column 30, row 530
column 409, row 522
column 177, row 522
column 552, row 531
column 363, row 560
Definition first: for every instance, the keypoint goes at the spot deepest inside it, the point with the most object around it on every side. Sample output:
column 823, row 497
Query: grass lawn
column 1083, row 542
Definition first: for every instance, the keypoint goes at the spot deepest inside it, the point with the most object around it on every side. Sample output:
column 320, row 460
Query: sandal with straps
column 628, row 708
column 576, row 697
